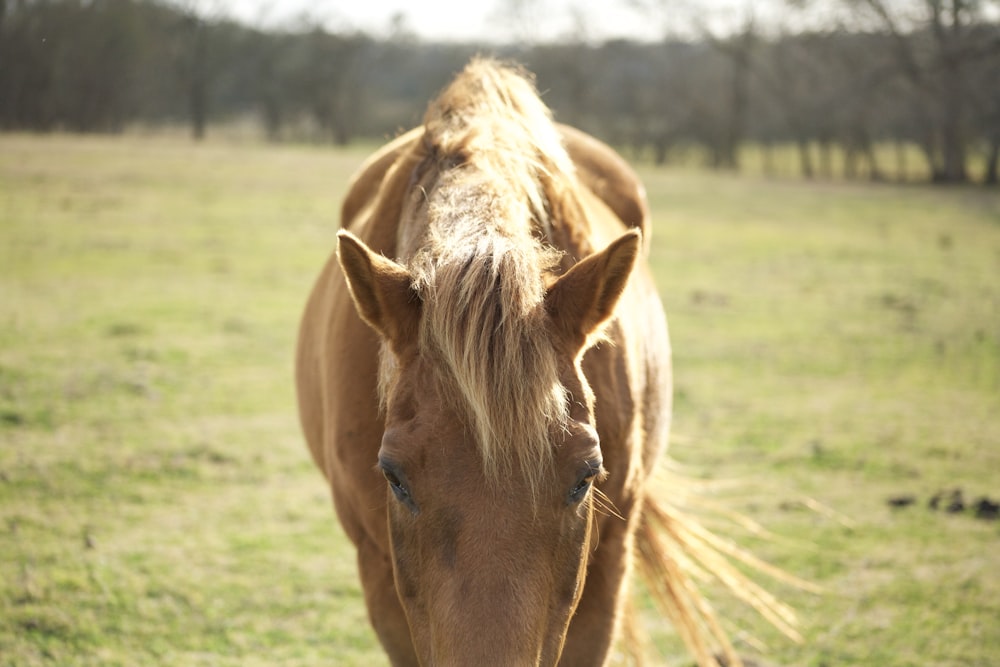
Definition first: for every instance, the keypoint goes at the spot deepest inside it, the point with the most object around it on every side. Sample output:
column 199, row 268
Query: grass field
column 835, row 346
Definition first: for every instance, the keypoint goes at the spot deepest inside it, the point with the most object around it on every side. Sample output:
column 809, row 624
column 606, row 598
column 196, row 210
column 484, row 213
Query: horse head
column 489, row 540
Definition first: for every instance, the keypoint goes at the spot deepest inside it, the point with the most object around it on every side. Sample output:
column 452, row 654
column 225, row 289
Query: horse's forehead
column 420, row 389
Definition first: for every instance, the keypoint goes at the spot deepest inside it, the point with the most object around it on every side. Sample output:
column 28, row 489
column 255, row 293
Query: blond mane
column 481, row 265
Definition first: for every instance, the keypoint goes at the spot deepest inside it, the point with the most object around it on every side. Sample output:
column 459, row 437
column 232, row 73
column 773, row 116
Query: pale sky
column 547, row 20
column 479, row 20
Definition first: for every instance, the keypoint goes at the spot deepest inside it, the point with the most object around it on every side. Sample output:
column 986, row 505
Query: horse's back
column 599, row 168
column 366, row 181
column 602, row 171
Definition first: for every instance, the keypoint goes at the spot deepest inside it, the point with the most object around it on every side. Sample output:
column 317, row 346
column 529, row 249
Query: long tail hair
column 673, row 550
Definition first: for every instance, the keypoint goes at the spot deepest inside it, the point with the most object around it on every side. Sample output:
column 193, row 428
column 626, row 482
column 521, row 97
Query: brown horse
column 487, row 406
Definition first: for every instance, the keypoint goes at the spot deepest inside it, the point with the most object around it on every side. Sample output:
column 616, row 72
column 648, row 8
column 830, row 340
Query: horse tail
column 674, row 550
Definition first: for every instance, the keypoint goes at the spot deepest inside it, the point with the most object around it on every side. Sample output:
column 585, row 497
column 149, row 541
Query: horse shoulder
column 336, row 371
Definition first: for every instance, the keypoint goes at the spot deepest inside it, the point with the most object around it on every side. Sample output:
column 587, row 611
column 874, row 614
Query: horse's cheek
column 404, row 557
column 577, row 546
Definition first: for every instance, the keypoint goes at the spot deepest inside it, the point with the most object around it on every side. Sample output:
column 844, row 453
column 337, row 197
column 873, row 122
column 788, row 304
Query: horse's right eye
column 398, row 486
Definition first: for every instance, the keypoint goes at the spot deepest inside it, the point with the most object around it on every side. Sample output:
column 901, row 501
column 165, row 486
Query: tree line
column 932, row 81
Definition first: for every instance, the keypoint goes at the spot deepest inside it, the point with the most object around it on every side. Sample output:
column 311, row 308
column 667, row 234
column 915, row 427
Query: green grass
column 834, row 345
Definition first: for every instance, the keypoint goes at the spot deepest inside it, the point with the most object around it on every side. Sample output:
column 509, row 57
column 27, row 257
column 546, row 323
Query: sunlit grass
column 841, row 344
column 834, row 345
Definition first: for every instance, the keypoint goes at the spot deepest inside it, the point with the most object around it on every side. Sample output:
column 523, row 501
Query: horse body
column 475, row 400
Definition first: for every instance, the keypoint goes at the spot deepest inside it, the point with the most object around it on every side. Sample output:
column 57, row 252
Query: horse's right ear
column 381, row 290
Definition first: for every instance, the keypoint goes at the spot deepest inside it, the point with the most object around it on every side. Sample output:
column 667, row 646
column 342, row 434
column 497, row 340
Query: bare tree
column 739, row 52
column 327, row 81
column 196, row 60
column 935, row 42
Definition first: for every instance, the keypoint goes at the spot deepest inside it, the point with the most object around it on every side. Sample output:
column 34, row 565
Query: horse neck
column 450, row 207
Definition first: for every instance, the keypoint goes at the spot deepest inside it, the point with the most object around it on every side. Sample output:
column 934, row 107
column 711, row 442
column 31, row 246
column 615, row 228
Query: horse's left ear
column 381, row 290
column 583, row 298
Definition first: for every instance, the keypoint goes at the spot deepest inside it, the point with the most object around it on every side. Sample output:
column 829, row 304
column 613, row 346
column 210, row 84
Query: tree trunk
column 991, row 176
column 874, row 173
column 850, row 161
column 952, row 145
column 198, row 92
column 661, row 146
column 901, row 164
column 825, row 158
column 805, row 158
column 738, row 111
column 768, row 158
